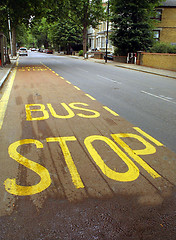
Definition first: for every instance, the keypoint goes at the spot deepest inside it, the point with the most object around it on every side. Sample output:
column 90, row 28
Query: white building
column 97, row 37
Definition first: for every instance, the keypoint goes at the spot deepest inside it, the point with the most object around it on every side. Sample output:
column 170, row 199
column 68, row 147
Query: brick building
column 165, row 30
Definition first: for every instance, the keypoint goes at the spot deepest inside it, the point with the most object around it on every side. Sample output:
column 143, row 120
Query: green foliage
column 40, row 32
column 116, row 51
column 161, row 47
column 132, row 25
column 51, row 22
column 21, row 11
column 3, row 20
column 65, row 34
column 81, row 53
column 87, row 13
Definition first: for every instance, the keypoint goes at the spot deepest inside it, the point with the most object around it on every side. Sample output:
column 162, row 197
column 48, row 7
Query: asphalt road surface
column 71, row 166
column 146, row 100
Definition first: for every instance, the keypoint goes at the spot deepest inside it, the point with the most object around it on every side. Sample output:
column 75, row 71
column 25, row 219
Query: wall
column 159, row 60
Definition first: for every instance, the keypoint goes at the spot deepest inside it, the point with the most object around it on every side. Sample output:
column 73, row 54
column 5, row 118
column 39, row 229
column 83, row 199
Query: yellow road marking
column 61, row 77
column 90, row 96
column 68, row 82
column 76, row 179
column 111, row 111
column 148, row 136
column 130, row 175
column 45, row 182
column 5, row 98
column 77, row 87
column 32, row 69
column 149, row 149
column 95, row 113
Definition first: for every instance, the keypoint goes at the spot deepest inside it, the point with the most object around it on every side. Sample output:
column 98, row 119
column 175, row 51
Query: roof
column 168, row 3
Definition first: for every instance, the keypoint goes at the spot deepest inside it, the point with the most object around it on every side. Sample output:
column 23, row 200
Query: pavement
column 4, row 71
column 134, row 67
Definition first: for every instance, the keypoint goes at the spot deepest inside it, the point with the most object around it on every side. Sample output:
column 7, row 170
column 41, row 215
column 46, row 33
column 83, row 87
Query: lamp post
column 107, row 34
column 10, row 35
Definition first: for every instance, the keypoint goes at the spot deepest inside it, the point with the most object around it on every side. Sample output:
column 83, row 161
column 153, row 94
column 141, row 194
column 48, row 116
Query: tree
column 132, row 24
column 83, row 13
column 88, row 13
column 40, row 31
column 65, row 34
column 20, row 11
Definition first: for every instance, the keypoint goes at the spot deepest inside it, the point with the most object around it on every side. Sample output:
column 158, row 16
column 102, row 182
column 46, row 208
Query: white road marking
column 109, row 79
column 83, row 70
column 163, row 98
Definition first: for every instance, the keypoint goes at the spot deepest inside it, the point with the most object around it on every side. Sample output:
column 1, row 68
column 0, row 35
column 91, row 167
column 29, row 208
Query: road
column 146, row 100
column 72, row 166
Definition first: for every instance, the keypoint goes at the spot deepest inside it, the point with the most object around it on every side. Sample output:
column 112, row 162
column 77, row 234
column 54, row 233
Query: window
column 157, row 15
column 156, row 35
column 102, row 42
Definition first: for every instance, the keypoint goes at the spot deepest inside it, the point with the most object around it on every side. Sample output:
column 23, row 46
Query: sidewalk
column 4, row 71
column 134, row 67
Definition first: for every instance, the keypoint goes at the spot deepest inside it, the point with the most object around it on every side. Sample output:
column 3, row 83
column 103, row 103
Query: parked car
column 33, row 49
column 40, row 50
column 49, row 51
column 109, row 56
column 44, row 50
column 23, row 51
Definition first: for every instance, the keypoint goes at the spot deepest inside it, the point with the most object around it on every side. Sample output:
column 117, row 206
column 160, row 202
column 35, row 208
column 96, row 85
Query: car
column 33, row 49
column 49, row 51
column 40, row 50
column 23, row 51
column 109, row 56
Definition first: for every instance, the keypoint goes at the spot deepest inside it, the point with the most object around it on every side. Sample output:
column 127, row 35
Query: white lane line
column 83, row 70
column 165, row 99
column 109, row 79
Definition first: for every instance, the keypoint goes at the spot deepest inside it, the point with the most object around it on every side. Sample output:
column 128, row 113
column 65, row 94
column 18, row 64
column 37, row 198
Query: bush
column 161, row 47
column 81, row 53
column 116, row 52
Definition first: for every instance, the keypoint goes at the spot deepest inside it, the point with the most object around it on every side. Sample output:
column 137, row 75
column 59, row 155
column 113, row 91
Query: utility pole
column 107, row 34
column 10, row 35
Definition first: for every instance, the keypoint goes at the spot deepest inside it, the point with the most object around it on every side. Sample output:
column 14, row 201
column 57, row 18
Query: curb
column 145, row 71
column 4, row 78
column 7, row 74
column 134, row 69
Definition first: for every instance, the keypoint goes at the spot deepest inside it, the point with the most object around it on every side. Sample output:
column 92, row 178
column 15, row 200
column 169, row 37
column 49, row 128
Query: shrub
column 116, row 52
column 81, row 53
column 161, row 47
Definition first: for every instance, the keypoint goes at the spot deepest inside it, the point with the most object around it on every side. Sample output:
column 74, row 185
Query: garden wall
column 159, row 60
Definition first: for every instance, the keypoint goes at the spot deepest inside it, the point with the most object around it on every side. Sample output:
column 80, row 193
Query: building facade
column 165, row 30
column 97, row 36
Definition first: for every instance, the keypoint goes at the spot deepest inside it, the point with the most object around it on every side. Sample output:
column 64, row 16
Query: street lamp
column 107, row 34
column 10, row 35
